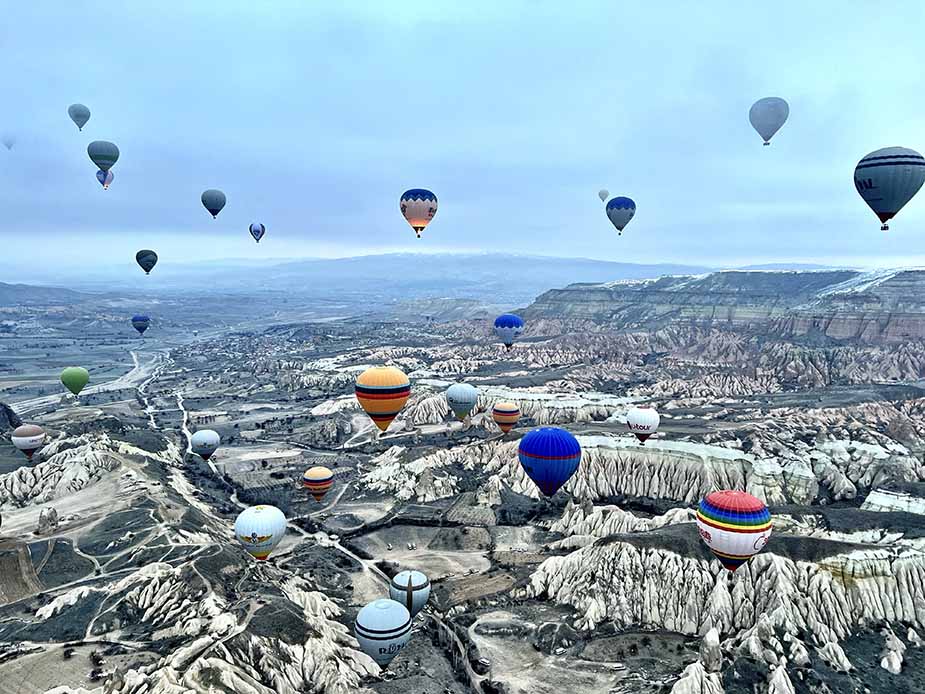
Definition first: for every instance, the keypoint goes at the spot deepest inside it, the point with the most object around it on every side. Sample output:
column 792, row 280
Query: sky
column 314, row 117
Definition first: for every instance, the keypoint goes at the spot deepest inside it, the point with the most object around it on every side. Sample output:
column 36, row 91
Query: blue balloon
column 620, row 211
column 141, row 323
column 508, row 328
column 549, row 456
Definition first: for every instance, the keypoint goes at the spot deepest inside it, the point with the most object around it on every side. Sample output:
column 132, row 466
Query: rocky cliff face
column 885, row 306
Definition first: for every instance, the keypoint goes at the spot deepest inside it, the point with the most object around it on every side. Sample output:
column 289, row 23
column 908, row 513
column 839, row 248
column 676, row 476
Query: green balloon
column 75, row 378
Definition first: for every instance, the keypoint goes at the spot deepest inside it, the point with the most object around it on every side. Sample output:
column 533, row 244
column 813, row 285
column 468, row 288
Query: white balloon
column 411, row 589
column 462, row 398
column 204, row 442
column 888, row 178
column 260, row 529
column 28, row 438
column 642, row 422
column 768, row 115
column 382, row 629
column 603, row 194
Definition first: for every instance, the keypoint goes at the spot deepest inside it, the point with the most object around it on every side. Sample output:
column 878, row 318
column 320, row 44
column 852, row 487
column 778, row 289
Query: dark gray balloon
column 213, row 200
column 104, row 154
column 80, row 114
column 147, row 259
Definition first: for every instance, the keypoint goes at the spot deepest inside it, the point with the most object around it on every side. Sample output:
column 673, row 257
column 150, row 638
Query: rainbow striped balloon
column 382, row 391
column 505, row 415
column 318, row 480
column 734, row 525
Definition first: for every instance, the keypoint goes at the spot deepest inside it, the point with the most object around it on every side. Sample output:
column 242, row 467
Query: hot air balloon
column 888, row 178
column 28, row 438
column 141, row 323
column 642, row 422
column 767, row 116
column 257, row 231
column 75, row 378
column 103, row 154
column 508, row 327
column 411, row 589
column 550, row 457
column 204, row 442
column 8, row 141
column 105, row 178
column 734, row 525
column 318, row 480
column 383, row 628
column 382, row 391
column 260, row 529
column 147, row 260
column 213, row 200
column 462, row 398
column 603, row 194
column 80, row 114
column 419, row 207
column 505, row 415
column 620, row 211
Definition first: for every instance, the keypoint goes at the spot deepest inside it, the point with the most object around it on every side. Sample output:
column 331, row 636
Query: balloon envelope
column 141, row 323
column 75, row 378
column 28, row 438
column 508, row 327
column 103, row 154
column 382, row 629
column 8, row 141
column 768, row 115
column 620, row 211
column 213, row 200
column 80, row 114
column 260, row 529
column 105, row 178
column 204, row 443
column 462, row 398
column 257, row 231
column 318, row 480
column 411, row 589
column 549, row 456
column 505, row 415
column 382, row 391
column 642, row 422
column 146, row 259
column 888, row 178
column 418, row 206
column 603, row 194
column 734, row 525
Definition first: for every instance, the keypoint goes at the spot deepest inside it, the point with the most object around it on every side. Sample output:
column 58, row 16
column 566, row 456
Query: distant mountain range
column 494, row 278
column 29, row 295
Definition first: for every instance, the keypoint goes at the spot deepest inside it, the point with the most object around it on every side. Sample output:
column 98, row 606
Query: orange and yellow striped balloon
column 318, row 480
column 505, row 415
column 382, row 391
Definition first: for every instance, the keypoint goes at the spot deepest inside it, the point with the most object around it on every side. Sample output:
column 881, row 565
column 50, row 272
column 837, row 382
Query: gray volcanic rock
column 9, row 420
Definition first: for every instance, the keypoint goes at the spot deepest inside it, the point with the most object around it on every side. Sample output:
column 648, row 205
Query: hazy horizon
column 313, row 119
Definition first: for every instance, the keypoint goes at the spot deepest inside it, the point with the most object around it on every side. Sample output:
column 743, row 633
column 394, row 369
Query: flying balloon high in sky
column 105, row 178
column 767, row 116
column 75, row 378
column 418, row 206
column 550, row 457
column 603, row 194
column 888, row 178
column 80, row 114
column 257, row 230
column 213, row 200
column 146, row 259
column 103, row 154
column 620, row 211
